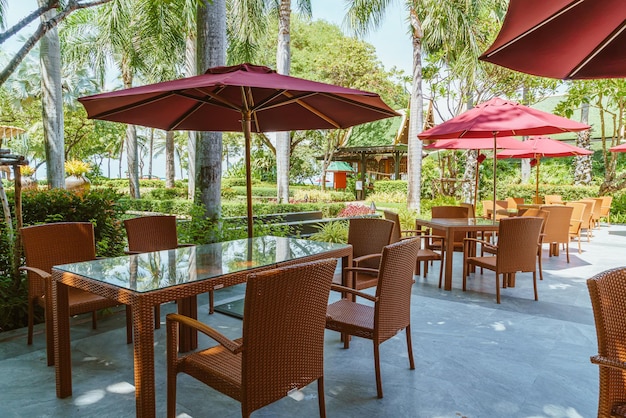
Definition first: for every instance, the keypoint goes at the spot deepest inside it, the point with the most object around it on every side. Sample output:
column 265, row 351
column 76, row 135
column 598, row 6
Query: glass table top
column 160, row 269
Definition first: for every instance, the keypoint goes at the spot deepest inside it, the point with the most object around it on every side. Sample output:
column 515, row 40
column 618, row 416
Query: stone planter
column 77, row 183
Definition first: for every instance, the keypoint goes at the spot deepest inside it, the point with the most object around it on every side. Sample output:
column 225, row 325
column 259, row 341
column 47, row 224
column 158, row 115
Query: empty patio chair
column 282, row 346
column 53, row 244
column 587, row 224
column 514, row 202
column 576, row 222
column 605, row 213
column 553, row 199
column 556, row 231
column 368, row 236
column 608, row 300
column 154, row 233
column 597, row 211
column 516, row 251
column 447, row 212
column 501, row 209
column 391, row 310
column 424, row 255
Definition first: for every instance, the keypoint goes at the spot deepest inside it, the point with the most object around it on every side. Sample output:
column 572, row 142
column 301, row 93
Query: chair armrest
column 487, row 244
column 127, row 252
column 37, row 271
column 227, row 343
column 339, row 288
column 357, row 260
column 362, row 269
column 605, row 361
column 186, row 245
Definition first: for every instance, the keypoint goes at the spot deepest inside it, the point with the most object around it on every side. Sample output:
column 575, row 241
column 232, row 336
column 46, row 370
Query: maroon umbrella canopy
column 242, row 98
column 566, row 39
column 618, row 148
column 499, row 117
column 541, row 146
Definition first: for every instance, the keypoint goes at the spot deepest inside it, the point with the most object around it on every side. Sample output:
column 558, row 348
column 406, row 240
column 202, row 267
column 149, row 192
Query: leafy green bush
column 391, row 186
column 163, row 194
column 332, row 232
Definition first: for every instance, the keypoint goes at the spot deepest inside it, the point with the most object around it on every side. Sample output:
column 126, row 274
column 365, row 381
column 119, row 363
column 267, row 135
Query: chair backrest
column 283, row 330
column 395, row 280
column 588, row 212
column 518, row 238
column 48, row 245
column 449, row 212
column 369, row 236
column 513, row 202
column 608, row 300
column 151, row 233
column 553, row 199
column 606, row 205
column 531, row 212
column 488, row 208
column 557, row 229
column 597, row 208
column 471, row 211
column 396, row 234
column 577, row 217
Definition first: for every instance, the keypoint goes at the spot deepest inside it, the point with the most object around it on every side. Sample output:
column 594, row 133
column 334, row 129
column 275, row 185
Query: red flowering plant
column 354, row 210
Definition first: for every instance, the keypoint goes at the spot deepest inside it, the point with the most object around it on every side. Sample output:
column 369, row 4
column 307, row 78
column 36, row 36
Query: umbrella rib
column 598, row 50
column 315, row 111
column 184, row 116
column 528, row 32
column 217, row 100
column 131, row 106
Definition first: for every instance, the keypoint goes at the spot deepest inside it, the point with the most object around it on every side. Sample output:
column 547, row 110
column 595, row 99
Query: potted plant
column 76, row 179
column 28, row 182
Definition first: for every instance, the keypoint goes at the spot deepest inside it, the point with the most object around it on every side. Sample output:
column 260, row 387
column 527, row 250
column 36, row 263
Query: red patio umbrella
column 543, row 147
column 242, row 98
column 498, row 117
column 618, row 148
column 505, row 142
column 565, row 39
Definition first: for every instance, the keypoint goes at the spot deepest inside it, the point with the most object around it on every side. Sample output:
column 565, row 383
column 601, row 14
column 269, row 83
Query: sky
column 391, row 39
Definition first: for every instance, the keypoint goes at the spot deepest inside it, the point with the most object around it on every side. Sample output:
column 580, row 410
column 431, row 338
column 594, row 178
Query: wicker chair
column 597, row 211
column 518, row 239
column 282, row 347
column 606, row 208
column 557, row 229
column 553, row 199
column 424, row 255
column 576, row 223
column 368, row 236
column 608, row 299
column 448, row 212
column 391, row 311
column 587, row 224
column 52, row 244
column 154, row 233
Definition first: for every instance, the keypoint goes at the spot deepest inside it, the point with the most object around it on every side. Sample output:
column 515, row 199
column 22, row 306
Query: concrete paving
column 474, row 358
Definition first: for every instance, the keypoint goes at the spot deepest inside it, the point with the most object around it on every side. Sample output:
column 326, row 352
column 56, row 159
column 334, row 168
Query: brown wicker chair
column 608, row 299
column 587, row 224
column 52, row 244
column 424, row 255
column 576, row 223
column 597, row 211
column 154, row 233
column 368, row 236
column 518, row 239
column 553, row 199
column 391, row 312
column 282, row 347
column 557, row 229
column 606, row 208
column 448, row 212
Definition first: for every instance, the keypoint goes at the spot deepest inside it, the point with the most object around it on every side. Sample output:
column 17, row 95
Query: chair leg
column 320, row 397
column 379, row 383
column 171, row 338
column 535, row 284
column 211, row 304
column 539, row 257
column 31, row 313
column 94, row 319
column 441, row 271
column 567, row 250
column 409, row 347
column 497, row 288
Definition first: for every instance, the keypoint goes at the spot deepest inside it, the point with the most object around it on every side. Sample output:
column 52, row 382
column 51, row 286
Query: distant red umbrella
column 242, row 98
column 544, row 147
column 505, row 142
column 565, row 39
column 618, row 148
column 498, row 117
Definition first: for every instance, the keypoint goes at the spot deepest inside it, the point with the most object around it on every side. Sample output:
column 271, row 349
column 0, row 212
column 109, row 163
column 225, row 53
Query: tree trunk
column 131, row 143
column 414, row 154
column 211, row 52
column 169, row 160
column 582, row 164
column 471, row 168
column 52, row 103
column 191, row 70
column 283, row 64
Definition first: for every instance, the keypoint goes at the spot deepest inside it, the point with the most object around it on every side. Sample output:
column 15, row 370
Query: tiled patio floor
column 474, row 358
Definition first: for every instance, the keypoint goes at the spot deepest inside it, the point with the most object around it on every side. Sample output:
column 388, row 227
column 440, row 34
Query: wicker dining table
column 145, row 280
column 450, row 226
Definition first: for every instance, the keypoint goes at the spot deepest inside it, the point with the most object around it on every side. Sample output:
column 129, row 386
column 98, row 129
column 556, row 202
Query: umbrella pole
column 495, row 145
column 246, row 133
column 537, row 200
column 476, row 183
